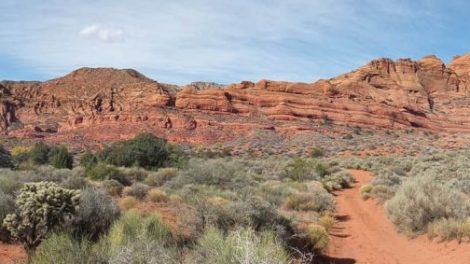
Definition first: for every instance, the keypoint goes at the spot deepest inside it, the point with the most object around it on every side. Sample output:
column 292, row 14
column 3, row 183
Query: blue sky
column 180, row 41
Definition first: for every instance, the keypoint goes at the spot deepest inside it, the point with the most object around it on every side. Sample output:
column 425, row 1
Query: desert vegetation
column 146, row 201
column 163, row 204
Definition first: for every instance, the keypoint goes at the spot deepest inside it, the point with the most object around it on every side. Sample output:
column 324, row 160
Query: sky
column 224, row 41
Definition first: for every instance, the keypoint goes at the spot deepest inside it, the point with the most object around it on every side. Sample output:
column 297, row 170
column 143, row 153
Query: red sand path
column 12, row 254
column 364, row 235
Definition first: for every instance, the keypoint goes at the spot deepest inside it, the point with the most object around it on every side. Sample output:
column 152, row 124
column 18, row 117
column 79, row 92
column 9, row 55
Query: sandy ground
column 364, row 235
column 12, row 254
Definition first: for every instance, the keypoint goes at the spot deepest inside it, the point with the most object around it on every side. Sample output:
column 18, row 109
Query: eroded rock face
column 109, row 104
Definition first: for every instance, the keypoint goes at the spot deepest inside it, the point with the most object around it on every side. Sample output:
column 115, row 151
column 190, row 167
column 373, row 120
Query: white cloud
column 225, row 41
column 102, row 33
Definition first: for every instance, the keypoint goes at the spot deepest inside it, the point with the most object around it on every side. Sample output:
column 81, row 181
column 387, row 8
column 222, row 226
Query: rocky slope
column 95, row 105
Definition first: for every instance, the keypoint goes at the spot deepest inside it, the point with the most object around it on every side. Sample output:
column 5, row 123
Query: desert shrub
column 366, row 191
column 133, row 174
column 96, row 214
column 448, row 229
column 40, row 153
column 88, row 160
column 132, row 229
column 61, row 159
column 6, row 161
column 157, row 196
column 318, row 237
column 138, row 190
column 327, row 221
column 145, row 150
column 217, row 172
column 337, row 181
column 112, row 187
column 302, row 170
column 382, row 192
column 9, row 181
column 252, row 211
column 57, row 156
column 306, row 201
column 63, row 248
column 239, row 246
column 20, row 154
column 316, row 152
column 128, row 203
column 74, row 182
column 146, row 251
column 102, row 172
column 276, row 192
column 7, row 206
column 40, row 208
column 161, row 176
column 301, row 202
column 422, row 200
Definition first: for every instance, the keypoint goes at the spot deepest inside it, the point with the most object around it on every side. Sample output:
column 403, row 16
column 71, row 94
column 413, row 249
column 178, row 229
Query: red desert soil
column 364, row 235
column 10, row 254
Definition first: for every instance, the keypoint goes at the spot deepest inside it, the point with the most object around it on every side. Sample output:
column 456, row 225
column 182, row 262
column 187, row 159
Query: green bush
column 6, row 161
column 40, row 153
column 145, row 150
column 448, row 229
column 316, row 152
column 40, row 208
column 61, row 159
column 20, row 154
column 96, row 214
column 102, row 172
column 112, row 187
column 238, row 247
column 137, row 190
column 161, row 176
column 337, row 181
column 63, row 248
column 318, row 237
column 9, row 181
column 132, row 228
column 57, row 156
column 88, row 160
column 423, row 199
column 318, row 201
column 302, row 170
column 217, row 172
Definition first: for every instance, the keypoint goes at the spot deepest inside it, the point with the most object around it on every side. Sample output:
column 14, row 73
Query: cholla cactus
column 40, row 207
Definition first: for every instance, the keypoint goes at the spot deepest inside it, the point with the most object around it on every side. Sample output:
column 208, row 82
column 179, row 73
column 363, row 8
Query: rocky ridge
column 103, row 104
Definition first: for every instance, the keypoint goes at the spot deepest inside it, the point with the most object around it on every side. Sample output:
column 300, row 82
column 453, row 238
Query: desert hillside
column 95, row 105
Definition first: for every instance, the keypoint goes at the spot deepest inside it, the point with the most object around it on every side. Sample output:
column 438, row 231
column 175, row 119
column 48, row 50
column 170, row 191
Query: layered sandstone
column 109, row 104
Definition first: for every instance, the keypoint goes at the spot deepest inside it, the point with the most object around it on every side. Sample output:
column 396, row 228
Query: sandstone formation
column 107, row 104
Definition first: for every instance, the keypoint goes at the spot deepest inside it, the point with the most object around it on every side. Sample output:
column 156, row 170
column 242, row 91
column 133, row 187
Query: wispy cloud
column 224, row 41
column 102, row 33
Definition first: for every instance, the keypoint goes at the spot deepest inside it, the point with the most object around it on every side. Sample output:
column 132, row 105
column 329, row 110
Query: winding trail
column 364, row 235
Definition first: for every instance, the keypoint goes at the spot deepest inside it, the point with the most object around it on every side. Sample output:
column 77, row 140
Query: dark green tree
column 145, row 150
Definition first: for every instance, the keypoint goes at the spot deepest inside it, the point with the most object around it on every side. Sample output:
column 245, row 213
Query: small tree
column 40, row 207
column 145, row 150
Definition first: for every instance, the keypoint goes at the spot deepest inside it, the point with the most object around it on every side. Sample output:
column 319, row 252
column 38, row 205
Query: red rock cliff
column 110, row 104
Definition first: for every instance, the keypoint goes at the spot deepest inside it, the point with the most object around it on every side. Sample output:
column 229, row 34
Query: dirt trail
column 364, row 235
column 12, row 254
